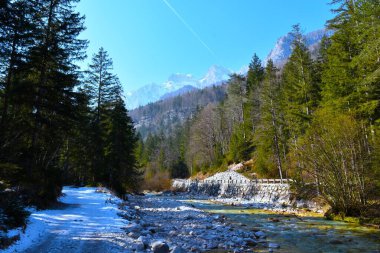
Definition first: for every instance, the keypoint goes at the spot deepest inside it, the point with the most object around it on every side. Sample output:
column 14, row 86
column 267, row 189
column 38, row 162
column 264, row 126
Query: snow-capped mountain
column 180, row 91
column 176, row 84
column 283, row 48
column 144, row 95
column 215, row 74
column 177, row 81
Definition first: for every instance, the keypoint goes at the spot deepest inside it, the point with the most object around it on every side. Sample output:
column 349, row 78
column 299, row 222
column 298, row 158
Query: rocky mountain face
column 176, row 84
column 283, row 48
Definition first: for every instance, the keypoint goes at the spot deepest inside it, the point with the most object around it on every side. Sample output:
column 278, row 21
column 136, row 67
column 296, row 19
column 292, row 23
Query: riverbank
column 301, row 208
column 177, row 223
column 95, row 221
column 232, row 188
column 295, row 233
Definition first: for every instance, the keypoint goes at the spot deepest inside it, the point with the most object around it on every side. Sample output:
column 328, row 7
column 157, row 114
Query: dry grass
column 160, row 181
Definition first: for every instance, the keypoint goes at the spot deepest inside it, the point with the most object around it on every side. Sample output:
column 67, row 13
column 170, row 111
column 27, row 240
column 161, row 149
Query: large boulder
column 160, row 247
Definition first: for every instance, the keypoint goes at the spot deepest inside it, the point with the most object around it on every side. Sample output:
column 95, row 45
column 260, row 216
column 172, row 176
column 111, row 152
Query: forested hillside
column 167, row 115
column 315, row 120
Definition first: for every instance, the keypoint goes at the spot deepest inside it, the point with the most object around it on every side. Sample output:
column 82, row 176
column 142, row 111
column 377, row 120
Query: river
column 299, row 234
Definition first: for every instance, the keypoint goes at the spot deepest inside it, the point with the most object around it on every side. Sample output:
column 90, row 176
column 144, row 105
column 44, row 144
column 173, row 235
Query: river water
column 299, row 234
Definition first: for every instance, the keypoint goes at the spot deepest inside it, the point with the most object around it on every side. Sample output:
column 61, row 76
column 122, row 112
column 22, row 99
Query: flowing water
column 300, row 234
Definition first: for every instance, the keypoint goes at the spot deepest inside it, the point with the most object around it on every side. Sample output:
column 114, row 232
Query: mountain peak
column 176, row 84
column 215, row 74
column 283, row 47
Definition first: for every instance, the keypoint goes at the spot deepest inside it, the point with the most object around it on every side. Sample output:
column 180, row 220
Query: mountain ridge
column 175, row 86
column 283, row 47
column 179, row 83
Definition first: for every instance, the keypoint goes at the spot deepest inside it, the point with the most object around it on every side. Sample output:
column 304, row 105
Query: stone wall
column 260, row 191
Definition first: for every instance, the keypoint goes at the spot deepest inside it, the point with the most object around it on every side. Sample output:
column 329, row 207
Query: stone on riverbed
column 177, row 249
column 250, row 242
column 143, row 240
column 273, row 245
column 140, row 246
column 260, row 234
column 160, row 247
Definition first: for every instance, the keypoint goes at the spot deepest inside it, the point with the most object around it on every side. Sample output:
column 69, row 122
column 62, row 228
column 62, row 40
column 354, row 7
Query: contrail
column 188, row 26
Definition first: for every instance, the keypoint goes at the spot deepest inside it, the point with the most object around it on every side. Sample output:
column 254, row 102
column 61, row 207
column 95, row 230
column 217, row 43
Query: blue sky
column 149, row 40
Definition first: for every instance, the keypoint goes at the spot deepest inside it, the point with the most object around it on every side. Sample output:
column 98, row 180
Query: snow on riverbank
column 91, row 221
column 85, row 220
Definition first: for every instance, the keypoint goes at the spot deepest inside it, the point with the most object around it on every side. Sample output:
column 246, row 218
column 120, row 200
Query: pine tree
column 54, row 79
column 120, row 150
column 102, row 87
column 270, row 137
column 103, row 90
column 41, row 51
column 255, row 73
column 16, row 37
column 236, row 105
column 351, row 75
column 301, row 93
column 255, row 77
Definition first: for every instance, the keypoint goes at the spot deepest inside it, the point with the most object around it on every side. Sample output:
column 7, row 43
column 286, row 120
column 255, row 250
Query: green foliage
column 255, row 73
column 336, row 153
column 301, row 93
column 239, row 149
column 316, row 119
column 119, row 153
column 56, row 128
column 12, row 212
column 180, row 170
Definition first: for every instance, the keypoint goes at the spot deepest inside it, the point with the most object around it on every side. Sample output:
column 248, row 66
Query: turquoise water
column 303, row 234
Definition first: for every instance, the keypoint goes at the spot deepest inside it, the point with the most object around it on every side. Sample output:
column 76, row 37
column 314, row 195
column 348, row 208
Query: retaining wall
column 259, row 191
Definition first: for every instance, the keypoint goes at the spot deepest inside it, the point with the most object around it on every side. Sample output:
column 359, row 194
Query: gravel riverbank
column 160, row 218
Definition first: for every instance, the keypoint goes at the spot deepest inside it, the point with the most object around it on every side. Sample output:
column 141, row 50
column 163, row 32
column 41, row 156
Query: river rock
column 143, row 240
column 273, row 245
column 260, row 234
column 250, row 242
column 178, row 249
column 135, row 228
column 160, row 247
column 336, row 242
column 133, row 235
column 140, row 246
column 172, row 233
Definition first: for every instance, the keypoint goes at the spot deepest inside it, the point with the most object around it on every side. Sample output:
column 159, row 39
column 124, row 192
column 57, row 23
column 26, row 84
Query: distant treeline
column 315, row 120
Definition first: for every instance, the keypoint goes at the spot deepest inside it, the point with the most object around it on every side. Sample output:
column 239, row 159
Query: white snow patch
column 85, row 215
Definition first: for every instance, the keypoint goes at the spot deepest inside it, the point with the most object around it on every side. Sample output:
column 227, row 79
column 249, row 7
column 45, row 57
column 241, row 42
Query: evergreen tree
column 270, row 137
column 16, row 38
column 236, row 104
column 122, row 170
column 255, row 77
column 103, row 90
column 39, row 74
column 102, row 87
column 351, row 74
column 300, row 92
column 255, row 73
